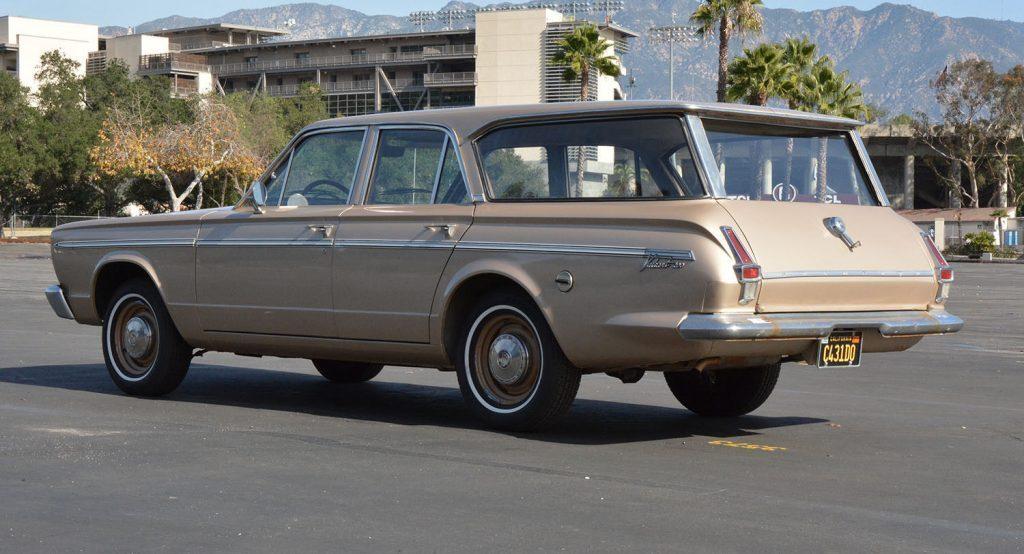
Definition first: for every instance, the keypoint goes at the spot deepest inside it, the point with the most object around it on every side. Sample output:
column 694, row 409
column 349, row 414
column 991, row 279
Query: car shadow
column 589, row 422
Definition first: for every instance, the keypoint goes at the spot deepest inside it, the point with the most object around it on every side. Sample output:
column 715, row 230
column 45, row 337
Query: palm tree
column 728, row 17
column 585, row 53
column 760, row 75
column 826, row 91
column 801, row 53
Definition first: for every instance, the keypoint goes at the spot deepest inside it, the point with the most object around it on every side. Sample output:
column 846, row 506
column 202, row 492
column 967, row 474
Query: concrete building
column 24, row 40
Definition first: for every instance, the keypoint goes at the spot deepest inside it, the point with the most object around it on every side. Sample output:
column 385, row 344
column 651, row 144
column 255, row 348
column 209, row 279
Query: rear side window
column 621, row 159
column 417, row 166
column 788, row 164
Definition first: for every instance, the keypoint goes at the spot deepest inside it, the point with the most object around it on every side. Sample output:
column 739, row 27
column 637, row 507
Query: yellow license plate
column 841, row 349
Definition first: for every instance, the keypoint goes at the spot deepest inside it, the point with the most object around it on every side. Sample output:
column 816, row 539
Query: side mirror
column 256, row 198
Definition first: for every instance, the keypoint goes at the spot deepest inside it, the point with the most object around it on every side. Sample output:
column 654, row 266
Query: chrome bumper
column 815, row 325
column 55, row 296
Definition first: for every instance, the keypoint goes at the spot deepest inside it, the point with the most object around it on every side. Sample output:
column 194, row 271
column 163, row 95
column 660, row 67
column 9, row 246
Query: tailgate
column 806, row 267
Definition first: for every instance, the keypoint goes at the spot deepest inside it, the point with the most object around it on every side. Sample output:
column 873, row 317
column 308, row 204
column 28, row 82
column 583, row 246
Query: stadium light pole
column 673, row 34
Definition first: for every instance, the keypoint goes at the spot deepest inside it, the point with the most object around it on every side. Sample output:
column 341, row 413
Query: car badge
column 837, row 227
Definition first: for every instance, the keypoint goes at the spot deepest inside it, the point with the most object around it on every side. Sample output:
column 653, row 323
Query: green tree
column 308, row 107
column 19, row 146
column 68, row 130
column 728, row 17
column 760, row 75
column 584, row 53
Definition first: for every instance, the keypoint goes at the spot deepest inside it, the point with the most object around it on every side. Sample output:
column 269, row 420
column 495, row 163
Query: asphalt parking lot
column 921, row 451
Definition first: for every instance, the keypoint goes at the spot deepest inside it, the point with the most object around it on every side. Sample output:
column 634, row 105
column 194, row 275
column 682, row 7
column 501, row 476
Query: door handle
column 326, row 230
column 446, row 229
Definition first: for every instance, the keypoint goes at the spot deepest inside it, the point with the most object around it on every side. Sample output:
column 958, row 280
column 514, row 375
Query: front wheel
column 347, row 372
column 725, row 392
column 511, row 370
column 144, row 353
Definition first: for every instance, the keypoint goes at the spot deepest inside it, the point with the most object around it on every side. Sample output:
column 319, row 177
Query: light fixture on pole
column 673, row 34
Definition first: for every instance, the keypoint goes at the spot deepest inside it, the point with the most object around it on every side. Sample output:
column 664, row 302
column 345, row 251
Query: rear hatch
column 805, row 267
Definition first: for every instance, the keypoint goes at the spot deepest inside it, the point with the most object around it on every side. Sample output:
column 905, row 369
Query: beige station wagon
column 522, row 247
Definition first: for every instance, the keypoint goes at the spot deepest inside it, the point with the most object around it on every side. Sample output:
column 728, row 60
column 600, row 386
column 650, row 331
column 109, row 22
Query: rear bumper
column 815, row 325
column 55, row 295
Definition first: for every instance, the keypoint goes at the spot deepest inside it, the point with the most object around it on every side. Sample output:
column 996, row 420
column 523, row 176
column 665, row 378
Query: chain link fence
column 34, row 225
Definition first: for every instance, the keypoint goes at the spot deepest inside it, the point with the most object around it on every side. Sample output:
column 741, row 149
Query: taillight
column 943, row 272
column 748, row 273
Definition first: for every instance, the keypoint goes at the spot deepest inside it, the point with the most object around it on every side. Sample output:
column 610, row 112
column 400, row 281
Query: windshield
column 788, row 164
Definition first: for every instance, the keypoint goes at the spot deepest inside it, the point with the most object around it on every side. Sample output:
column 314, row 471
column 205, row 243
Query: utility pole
column 673, row 34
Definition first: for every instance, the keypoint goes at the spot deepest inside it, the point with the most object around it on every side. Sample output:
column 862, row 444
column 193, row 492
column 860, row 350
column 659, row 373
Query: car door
column 270, row 272
column 391, row 249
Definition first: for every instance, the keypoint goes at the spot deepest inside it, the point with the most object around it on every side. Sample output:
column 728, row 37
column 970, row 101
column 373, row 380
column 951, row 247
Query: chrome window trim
column 865, row 161
column 846, row 273
column 632, row 251
column 704, row 158
column 583, row 117
column 120, row 243
column 372, row 159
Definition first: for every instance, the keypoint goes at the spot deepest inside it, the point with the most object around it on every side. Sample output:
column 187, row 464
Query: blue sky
column 130, row 12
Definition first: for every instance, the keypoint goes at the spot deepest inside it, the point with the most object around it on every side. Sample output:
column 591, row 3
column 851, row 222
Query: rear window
column 788, row 164
column 622, row 159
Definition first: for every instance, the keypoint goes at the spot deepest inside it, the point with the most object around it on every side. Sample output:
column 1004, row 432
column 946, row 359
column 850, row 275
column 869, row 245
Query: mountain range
column 893, row 51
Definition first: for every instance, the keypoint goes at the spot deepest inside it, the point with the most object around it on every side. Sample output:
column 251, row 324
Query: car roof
column 468, row 123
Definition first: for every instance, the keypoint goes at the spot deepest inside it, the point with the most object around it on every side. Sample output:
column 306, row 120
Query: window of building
column 622, row 159
column 412, row 48
column 302, row 55
column 357, row 51
column 251, row 59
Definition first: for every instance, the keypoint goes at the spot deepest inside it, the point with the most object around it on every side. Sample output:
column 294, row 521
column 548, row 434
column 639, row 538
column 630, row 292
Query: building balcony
column 165, row 64
column 457, row 79
column 451, row 51
column 325, row 62
column 186, row 46
column 348, row 87
column 184, row 88
column 96, row 62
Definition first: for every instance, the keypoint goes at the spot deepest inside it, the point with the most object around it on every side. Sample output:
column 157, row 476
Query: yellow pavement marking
column 747, row 445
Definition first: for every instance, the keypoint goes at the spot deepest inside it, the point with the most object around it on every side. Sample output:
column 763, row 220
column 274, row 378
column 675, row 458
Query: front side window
column 322, row 170
column 413, row 164
column 621, row 159
column 788, row 164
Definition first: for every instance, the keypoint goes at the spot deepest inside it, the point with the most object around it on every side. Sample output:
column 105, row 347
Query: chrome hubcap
column 138, row 338
column 508, row 359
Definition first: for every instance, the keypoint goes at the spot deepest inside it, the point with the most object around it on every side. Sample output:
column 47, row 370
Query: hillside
column 892, row 50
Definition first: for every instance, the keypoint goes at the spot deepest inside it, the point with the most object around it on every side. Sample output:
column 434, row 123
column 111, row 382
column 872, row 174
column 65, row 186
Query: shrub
column 979, row 243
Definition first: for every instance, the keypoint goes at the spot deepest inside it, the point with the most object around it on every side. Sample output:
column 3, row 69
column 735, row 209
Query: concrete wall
column 509, row 52
column 128, row 48
column 36, row 37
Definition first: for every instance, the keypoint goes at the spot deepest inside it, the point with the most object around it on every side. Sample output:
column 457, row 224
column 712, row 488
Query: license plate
column 841, row 349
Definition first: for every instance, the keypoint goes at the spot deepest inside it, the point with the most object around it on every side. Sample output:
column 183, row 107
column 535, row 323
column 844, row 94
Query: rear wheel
column 144, row 353
column 347, row 372
column 726, row 392
column 511, row 370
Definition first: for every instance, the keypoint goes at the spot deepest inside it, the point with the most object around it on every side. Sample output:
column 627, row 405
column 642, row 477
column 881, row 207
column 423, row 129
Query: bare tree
column 967, row 93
